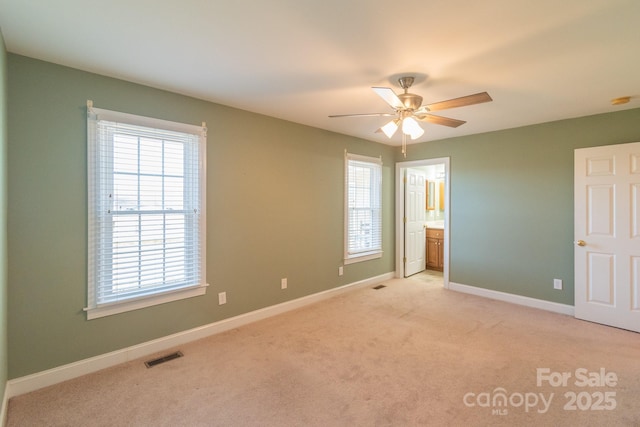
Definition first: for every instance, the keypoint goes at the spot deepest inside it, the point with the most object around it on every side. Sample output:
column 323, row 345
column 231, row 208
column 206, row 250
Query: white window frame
column 353, row 254
column 101, row 213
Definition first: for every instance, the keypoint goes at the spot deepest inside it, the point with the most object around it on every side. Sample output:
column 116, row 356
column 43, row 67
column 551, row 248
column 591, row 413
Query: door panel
column 601, row 278
column 601, row 210
column 635, row 212
column 607, row 230
column 635, row 283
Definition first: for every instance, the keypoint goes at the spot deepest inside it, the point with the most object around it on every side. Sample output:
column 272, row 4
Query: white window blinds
column 146, row 211
column 363, row 216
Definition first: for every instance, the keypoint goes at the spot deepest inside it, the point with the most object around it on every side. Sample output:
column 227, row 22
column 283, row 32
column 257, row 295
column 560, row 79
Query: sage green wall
column 3, row 218
column 274, row 209
column 512, row 201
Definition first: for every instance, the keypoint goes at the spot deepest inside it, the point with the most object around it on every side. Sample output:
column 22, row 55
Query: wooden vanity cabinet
column 435, row 249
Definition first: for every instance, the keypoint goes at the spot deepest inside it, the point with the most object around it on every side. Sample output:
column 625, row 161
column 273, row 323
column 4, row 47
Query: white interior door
column 415, row 208
column 607, row 235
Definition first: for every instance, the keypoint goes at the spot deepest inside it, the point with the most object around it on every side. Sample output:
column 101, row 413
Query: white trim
column 5, row 406
column 100, row 218
column 400, row 167
column 150, row 122
column 361, row 158
column 56, row 375
column 513, row 299
column 149, row 301
column 350, row 258
column 362, row 257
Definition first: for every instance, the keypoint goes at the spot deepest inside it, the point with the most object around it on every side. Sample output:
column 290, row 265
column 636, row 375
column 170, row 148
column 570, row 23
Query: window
column 363, row 216
column 146, row 211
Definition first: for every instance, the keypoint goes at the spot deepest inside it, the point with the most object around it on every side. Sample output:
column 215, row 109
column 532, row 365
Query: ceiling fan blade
column 364, row 115
column 477, row 98
column 389, row 96
column 439, row 120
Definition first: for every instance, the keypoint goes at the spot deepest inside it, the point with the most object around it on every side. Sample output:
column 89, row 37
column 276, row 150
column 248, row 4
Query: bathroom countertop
column 435, row 224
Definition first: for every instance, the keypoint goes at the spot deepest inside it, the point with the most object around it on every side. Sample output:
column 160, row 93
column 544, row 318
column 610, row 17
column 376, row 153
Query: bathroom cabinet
column 435, row 249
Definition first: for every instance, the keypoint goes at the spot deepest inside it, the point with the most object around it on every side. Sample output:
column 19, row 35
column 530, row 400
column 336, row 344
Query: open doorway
column 435, row 173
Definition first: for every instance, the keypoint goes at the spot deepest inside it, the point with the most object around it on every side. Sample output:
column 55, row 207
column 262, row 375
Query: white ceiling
column 302, row 60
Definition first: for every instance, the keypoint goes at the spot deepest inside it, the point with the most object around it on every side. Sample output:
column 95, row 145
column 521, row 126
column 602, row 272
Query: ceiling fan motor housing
column 411, row 101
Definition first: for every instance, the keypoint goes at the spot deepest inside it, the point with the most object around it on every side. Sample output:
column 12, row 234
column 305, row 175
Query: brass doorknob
column 581, row 243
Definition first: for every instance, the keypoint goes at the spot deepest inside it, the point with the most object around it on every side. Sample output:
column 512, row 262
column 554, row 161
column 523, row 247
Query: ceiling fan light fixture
column 411, row 127
column 390, row 128
column 417, row 134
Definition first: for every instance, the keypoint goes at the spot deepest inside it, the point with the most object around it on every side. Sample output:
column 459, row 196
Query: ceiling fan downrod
column 406, row 82
column 411, row 101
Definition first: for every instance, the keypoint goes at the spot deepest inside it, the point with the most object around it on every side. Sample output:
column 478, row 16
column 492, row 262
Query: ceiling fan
column 408, row 110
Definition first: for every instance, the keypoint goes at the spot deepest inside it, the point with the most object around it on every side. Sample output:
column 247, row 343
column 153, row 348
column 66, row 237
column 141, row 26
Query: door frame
column 400, row 169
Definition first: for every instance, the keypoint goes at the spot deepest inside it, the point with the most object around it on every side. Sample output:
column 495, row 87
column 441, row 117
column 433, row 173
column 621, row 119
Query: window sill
column 362, row 257
column 135, row 304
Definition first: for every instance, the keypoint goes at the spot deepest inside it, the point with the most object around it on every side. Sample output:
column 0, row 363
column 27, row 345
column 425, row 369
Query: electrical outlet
column 283, row 283
column 557, row 284
column 222, row 298
column 340, row 271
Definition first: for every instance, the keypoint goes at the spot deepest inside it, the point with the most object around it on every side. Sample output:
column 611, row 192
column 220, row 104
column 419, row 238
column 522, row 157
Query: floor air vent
column 159, row 360
column 379, row 287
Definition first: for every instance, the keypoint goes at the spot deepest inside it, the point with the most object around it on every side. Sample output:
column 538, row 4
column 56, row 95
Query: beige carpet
column 409, row 354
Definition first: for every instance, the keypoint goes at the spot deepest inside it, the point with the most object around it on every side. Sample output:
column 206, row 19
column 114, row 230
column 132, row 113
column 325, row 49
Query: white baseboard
column 5, row 406
column 26, row 384
column 514, row 299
